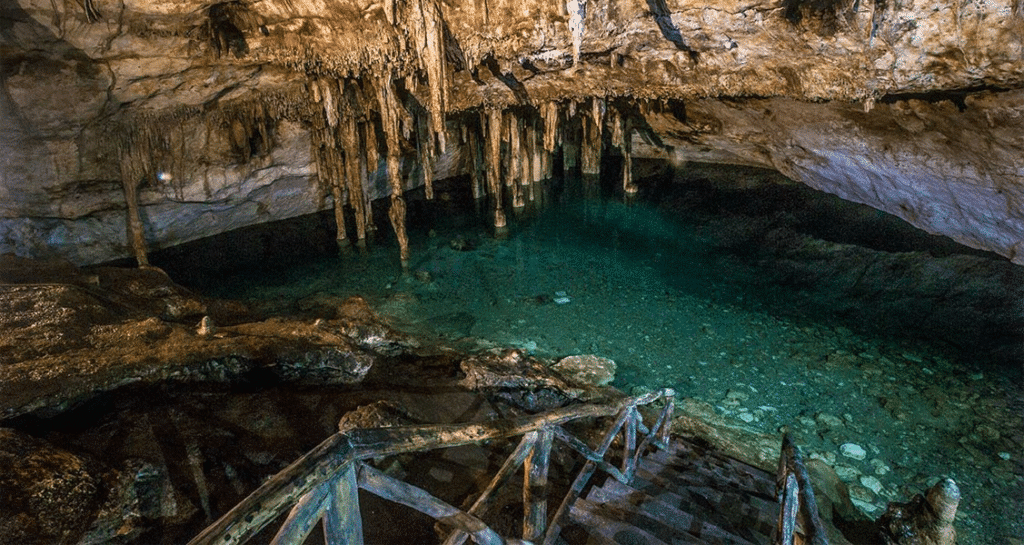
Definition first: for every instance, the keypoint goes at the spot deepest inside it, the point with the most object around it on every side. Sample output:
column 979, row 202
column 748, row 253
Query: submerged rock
column 586, row 370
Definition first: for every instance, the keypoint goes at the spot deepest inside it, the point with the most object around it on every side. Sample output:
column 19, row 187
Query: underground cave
column 243, row 241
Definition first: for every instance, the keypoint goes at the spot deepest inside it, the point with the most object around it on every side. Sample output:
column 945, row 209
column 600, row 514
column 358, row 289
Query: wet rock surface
column 69, row 335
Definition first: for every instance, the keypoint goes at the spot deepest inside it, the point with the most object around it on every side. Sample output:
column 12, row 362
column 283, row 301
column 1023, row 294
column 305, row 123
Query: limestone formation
column 126, row 326
column 216, row 115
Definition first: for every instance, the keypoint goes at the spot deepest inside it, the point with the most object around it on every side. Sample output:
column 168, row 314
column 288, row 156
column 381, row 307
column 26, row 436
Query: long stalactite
column 389, row 113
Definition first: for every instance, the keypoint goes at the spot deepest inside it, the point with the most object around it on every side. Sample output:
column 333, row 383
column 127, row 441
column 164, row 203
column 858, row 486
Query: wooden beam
column 303, row 517
column 535, row 487
column 581, row 480
column 343, row 524
column 406, row 494
column 286, row 488
column 512, row 463
column 629, row 441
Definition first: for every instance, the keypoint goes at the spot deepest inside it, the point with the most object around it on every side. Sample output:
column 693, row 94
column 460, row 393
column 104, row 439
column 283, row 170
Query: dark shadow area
column 663, row 18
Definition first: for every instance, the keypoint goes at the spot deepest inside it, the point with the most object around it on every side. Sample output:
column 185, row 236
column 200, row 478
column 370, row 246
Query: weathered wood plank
column 629, row 440
column 408, row 495
column 791, row 464
column 372, row 443
column 581, row 480
column 512, row 463
column 343, row 523
column 273, row 497
column 303, row 517
column 789, row 501
column 588, row 453
column 535, row 487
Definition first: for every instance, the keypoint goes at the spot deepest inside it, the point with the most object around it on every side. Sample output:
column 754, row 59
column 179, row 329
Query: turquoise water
column 687, row 296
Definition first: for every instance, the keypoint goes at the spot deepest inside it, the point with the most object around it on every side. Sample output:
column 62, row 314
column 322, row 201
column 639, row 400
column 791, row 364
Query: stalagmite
column 944, row 498
column 389, row 120
column 494, row 164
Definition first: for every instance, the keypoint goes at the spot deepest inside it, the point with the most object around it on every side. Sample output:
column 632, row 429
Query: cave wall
column 233, row 113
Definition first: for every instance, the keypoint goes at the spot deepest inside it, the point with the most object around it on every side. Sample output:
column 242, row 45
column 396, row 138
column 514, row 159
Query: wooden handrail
column 332, row 462
column 797, row 506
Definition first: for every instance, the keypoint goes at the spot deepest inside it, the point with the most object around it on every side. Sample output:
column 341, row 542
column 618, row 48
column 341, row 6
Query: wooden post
column 629, row 447
column 581, row 480
column 535, row 487
column 512, row 463
column 406, row 494
column 303, row 517
column 343, row 524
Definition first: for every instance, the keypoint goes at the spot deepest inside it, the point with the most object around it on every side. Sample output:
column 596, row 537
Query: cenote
column 778, row 307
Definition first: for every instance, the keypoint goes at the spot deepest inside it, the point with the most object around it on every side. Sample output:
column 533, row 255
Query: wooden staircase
column 664, row 490
column 684, row 494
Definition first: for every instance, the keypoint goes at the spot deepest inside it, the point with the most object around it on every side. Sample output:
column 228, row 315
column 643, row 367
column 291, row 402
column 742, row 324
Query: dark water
column 777, row 305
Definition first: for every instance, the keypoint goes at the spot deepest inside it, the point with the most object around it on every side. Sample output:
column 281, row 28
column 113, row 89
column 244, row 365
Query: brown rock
column 586, row 370
column 49, row 495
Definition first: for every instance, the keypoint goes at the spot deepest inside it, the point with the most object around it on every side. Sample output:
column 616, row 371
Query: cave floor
column 791, row 311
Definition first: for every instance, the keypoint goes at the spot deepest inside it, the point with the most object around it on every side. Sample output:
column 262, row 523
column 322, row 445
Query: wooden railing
column 323, row 484
column 798, row 510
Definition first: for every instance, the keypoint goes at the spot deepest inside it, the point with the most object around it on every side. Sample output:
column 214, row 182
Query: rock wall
column 233, row 113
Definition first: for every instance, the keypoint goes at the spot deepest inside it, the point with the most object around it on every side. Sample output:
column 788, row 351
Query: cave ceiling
column 228, row 114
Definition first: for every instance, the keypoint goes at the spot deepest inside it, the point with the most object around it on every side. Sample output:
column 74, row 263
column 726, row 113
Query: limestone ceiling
column 814, row 89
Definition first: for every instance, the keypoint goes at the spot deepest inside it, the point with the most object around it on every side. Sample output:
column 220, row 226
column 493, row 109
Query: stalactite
column 341, row 236
column 494, row 164
column 622, row 138
column 353, row 152
column 516, row 172
column 476, row 158
column 590, row 153
column 549, row 113
column 136, row 235
column 430, row 41
column 627, row 153
column 425, row 150
column 577, row 14
column 389, row 114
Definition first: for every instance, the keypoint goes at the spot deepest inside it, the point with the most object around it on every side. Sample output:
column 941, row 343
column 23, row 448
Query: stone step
column 718, row 469
column 730, row 509
column 607, row 525
column 663, row 519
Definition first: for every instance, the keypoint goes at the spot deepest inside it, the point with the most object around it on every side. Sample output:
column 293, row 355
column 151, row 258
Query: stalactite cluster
column 161, row 151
